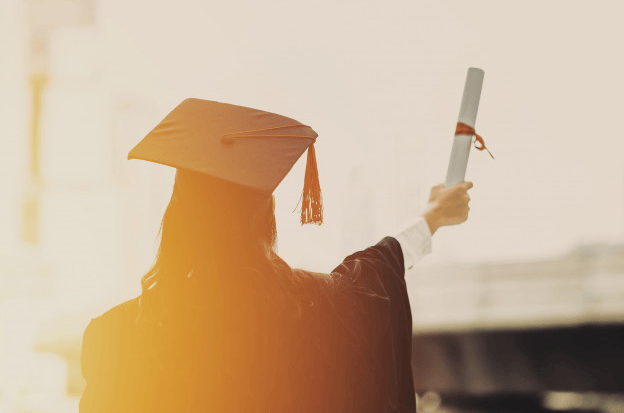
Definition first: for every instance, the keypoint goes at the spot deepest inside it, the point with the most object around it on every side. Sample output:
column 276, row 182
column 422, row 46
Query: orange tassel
column 312, row 199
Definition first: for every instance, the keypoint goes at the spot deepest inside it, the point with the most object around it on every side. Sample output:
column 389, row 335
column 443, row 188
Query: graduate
column 223, row 324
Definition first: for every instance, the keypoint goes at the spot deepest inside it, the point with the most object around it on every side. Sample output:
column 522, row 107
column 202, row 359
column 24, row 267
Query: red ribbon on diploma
column 467, row 130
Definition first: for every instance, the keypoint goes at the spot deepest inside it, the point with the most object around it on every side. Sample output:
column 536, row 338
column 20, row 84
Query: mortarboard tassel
column 312, row 199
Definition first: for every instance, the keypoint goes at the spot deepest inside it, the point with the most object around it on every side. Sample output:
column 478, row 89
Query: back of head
column 216, row 237
column 212, row 225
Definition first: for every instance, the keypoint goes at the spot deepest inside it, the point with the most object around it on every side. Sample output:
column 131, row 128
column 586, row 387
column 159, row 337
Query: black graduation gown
column 349, row 352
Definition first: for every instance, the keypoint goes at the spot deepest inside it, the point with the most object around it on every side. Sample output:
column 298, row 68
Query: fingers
column 462, row 214
column 465, row 185
column 461, row 209
column 451, row 203
column 461, row 191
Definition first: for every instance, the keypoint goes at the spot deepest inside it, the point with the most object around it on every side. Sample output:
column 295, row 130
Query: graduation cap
column 245, row 146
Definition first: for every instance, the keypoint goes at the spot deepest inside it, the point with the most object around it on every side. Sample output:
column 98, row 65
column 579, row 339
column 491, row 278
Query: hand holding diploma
column 447, row 206
column 448, row 203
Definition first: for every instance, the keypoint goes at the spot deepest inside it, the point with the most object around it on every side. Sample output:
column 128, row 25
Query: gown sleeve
column 374, row 314
column 110, row 374
column 95, row 397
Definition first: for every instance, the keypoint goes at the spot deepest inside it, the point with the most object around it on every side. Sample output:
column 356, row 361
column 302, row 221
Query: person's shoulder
column 386, row 256
column 107, row 340
column 120, row 314
column 386, row 246
column 305, row 276
column 114, row 325
column 315, row 293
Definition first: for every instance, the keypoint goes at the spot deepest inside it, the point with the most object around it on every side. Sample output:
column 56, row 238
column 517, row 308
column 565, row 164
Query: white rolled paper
column 467, row 114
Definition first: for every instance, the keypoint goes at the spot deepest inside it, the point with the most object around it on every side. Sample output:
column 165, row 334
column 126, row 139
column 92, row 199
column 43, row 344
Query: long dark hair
column 217, row 241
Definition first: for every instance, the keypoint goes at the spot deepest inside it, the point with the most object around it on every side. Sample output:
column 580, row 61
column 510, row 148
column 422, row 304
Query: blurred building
column 68, row 222
column 504, row 336
column 584, row 286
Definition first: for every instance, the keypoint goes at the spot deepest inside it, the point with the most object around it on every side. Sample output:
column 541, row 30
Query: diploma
column 467, row 114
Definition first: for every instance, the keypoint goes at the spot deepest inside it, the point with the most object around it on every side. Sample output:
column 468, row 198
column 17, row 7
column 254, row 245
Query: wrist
column 432, row 217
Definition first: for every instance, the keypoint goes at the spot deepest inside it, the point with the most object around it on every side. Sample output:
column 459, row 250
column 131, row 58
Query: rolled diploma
column 467, row 114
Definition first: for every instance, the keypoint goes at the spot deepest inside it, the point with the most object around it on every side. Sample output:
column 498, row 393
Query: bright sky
column 379, row 79
column 381, row 83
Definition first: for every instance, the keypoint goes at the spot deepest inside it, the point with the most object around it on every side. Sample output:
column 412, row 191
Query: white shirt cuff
column 415, row 242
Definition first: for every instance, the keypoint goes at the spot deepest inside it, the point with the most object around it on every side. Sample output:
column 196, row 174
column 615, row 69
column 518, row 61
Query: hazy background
column 380, row 82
